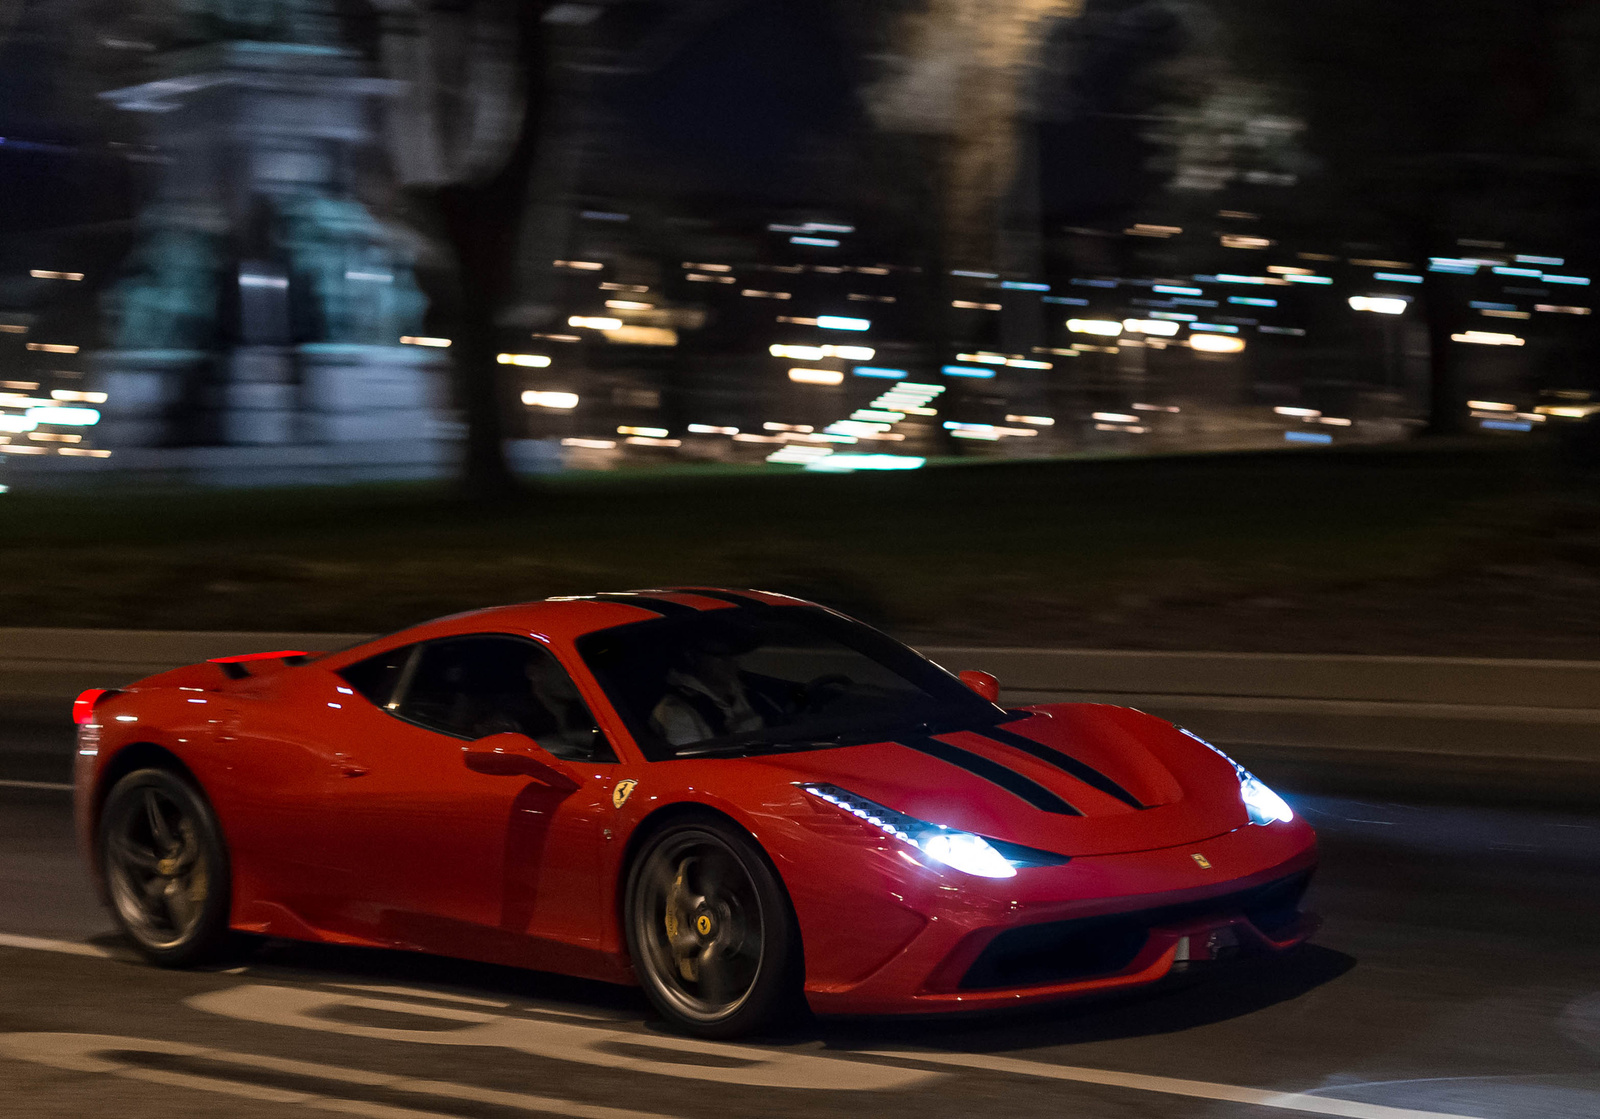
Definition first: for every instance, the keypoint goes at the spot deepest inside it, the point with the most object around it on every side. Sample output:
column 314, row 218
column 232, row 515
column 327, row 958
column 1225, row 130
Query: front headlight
column 1264, row 805
column 960, row 850
column 967, row 852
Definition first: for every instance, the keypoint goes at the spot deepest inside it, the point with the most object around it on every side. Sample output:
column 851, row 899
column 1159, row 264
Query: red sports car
column 729, row 798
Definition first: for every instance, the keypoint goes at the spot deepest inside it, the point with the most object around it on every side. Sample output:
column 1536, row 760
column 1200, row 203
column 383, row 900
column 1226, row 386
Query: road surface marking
column 1166, row 1085
column 419, row 993
column 636, row 1051
column 105, row 1053
column 595, row 1017
column 489, row 1029
column 65, row 947
column 53, row 786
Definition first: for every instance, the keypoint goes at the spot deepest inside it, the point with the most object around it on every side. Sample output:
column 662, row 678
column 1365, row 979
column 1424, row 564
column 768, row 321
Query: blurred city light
column 842, row 322
column 67, row 417
column 1379, row 305
column 594, row 322
column 1485, row 338
column 413, row 340
column 529, row 361
column 1159, row 327
column 968, row 371
column 1217, row 343
column 561, row 401
column 816, row 376
column 798, row 353
column 1105, row 328
column 632, row 335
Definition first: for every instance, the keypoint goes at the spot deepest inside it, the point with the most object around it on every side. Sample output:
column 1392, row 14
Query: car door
column 453, row 860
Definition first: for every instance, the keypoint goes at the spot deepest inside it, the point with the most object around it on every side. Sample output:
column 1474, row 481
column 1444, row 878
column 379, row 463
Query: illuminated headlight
column 963, row 851
column 967, row 852
column 1264, row 805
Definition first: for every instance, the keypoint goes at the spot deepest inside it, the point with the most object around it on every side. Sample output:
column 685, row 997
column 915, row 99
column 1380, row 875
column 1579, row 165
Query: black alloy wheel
column 711, row 931
column 166, row 867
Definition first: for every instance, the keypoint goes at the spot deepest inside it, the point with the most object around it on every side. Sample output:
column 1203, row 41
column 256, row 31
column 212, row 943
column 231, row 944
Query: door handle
column 348, row 766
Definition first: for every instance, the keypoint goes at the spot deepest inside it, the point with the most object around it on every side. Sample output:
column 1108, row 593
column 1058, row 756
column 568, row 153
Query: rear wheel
column 166, row 867
column 711, row 931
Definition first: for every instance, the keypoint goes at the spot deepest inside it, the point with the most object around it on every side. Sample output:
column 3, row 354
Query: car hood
column 1075, row 779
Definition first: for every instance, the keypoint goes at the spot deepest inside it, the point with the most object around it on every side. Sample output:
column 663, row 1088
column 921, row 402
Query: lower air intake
column 1065, row 951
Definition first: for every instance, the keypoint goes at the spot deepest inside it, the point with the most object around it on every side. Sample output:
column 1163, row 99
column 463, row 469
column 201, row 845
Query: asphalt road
column 1457, row 974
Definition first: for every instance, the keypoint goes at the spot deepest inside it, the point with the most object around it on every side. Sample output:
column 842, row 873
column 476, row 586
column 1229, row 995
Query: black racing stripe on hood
column 1066, row 763
column 1008, row 779
column 662, row 606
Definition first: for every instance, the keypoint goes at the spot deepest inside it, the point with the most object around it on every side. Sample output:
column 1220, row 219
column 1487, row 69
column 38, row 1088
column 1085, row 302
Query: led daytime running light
column 963, row 851
column 1264, row 805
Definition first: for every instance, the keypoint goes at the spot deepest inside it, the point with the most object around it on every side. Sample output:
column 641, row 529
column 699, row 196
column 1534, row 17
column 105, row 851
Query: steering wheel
column 813, row 693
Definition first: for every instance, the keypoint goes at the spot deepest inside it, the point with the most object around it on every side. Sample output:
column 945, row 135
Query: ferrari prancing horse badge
column 620, row 794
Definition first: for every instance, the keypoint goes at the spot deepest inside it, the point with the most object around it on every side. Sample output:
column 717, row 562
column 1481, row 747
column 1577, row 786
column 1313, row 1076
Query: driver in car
column 705, row 698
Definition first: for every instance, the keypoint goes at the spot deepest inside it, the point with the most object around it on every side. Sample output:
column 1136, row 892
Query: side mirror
column 982, row 683
column 516, row 755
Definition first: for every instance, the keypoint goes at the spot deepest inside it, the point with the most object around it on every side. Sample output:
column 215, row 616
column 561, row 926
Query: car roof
column 567, row 618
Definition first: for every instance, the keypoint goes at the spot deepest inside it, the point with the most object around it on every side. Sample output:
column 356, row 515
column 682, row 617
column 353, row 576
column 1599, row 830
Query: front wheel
column 711, row 931
column 166, row 867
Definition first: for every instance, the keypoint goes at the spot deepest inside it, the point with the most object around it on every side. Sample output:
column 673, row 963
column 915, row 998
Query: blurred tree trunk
column 464, row 142
column 1441, row 308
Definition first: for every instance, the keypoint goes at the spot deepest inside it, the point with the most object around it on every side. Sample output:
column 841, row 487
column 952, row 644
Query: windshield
column 764, row 678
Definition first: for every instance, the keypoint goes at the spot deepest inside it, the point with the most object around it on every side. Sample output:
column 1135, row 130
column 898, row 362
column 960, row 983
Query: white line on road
column 90, row 1053
column 417, row 992
column 1171, row 1086
column 52, row 786
column 1165, row 1085
column 65, row 947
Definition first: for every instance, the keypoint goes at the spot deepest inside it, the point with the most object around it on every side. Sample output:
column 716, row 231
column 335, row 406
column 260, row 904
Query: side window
column 376, row 677
column 477, row 686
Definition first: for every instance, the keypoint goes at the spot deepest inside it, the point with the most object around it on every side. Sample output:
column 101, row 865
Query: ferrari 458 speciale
column 733, row 799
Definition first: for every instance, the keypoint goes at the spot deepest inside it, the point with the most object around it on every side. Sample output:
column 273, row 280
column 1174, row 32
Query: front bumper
column 1071, row 931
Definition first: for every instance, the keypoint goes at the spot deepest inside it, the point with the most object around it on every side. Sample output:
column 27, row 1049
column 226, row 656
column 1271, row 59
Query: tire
column 711, row 932
column 166, row 868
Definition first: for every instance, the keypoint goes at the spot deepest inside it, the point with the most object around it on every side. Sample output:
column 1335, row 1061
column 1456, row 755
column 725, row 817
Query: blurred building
column 792, row 234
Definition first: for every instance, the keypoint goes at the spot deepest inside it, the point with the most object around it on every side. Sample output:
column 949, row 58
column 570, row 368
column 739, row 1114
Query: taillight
column 83, row 706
